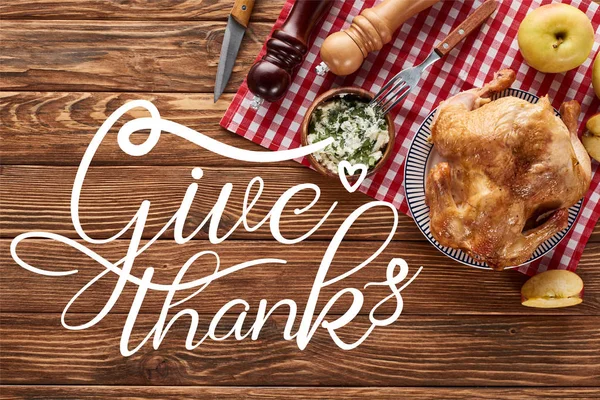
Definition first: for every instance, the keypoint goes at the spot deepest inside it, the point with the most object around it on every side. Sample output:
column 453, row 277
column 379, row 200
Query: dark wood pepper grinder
column 271, row 77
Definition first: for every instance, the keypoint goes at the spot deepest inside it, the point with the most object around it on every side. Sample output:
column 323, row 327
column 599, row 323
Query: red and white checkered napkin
column 277, row 125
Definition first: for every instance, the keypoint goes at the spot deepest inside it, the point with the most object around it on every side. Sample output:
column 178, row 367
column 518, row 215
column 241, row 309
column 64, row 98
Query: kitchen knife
column 236, row 27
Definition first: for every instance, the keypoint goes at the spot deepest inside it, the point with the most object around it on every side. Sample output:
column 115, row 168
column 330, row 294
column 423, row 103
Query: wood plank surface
column 65, row 67
column 55, row 128
column 444, row 287
column 120, row 56
column 112, row 195
column 181, row 10
column 291, row 393
column 415, row 351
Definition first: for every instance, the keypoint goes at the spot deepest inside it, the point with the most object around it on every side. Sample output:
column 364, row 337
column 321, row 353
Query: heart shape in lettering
column 346, row 166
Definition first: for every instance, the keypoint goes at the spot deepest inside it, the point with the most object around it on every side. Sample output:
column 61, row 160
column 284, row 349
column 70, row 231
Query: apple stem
column 555, row 45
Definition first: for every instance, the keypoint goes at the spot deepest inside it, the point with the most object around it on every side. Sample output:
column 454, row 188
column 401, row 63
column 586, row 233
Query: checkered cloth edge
column 276, row 126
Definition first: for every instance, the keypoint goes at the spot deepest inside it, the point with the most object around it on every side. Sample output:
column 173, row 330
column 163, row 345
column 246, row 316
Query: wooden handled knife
column 236, row 28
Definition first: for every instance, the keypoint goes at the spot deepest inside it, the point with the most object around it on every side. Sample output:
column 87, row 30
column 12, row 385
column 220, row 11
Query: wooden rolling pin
column 344, row 52
column 270, row 78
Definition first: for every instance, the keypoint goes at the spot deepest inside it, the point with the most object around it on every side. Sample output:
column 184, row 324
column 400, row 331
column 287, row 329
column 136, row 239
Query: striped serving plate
column 422, row 156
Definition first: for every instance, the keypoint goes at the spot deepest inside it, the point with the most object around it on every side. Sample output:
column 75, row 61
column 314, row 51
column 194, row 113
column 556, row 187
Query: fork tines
column 390, row 94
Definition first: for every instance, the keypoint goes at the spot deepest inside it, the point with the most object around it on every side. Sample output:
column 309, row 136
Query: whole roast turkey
column 513, row 170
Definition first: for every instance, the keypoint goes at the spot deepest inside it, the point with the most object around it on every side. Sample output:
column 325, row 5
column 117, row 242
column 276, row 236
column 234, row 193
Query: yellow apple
column 593, row 124
column 596, row 75
column 592, row 145
column 552, row 289
column 555, row 38
column 591, row 139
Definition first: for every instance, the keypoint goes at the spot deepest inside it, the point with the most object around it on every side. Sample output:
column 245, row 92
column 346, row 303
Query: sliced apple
column 592, row 145
column 552, row 289
column 593, row 124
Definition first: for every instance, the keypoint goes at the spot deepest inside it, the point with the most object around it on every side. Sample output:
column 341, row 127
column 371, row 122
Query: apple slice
column 593, row 124
column 592, row 145
column 552, row 289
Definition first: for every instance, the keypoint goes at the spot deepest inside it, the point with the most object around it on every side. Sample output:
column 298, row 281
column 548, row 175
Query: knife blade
column 234, row 33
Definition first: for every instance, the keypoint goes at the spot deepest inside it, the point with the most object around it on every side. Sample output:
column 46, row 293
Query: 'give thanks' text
column 396, row 272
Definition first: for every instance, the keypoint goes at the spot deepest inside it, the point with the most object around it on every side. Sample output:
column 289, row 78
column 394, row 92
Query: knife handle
column 241, row 11
column 473, row 21
column 271, row 77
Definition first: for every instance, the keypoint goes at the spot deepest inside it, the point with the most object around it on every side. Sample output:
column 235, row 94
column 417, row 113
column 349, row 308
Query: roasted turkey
column 512, row 170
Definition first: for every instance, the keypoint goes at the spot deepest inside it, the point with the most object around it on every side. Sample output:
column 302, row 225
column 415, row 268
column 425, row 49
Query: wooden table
column 66, row 66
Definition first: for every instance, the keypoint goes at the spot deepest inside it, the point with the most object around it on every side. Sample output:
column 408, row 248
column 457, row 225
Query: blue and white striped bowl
column 422, row 156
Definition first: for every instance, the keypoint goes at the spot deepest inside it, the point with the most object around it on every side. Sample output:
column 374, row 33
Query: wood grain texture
column 68, row 65
column 112, row 195
column 414, row 351
column 180, row 10
column 291, row 393
column 443, row 287
column 63, row 125
column 120, row 56
column 242, row 11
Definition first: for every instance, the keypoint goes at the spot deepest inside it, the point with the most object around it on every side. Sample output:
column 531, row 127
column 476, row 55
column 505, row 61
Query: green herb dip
column 360, row 133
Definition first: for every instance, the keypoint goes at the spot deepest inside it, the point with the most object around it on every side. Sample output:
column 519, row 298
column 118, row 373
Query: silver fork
column 397, row 88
